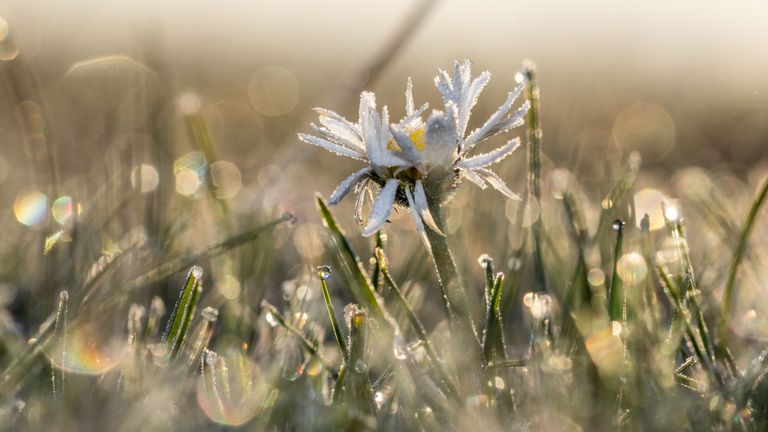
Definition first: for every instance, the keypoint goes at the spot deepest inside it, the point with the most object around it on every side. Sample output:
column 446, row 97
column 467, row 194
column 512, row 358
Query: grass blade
column 324, row 273
column 738, row 255
column 183, row 311
column 353, row 267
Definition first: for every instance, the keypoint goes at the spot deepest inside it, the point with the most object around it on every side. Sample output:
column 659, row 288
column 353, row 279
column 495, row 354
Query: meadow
column 174, row 254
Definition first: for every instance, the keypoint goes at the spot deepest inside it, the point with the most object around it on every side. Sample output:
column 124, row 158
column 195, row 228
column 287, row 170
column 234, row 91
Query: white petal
column 497, row 183
column 342, row 131
column 440, row 137
column 350, row 182
column 414, row 117
column 329, row 135
column 375, row 131
column 331, row 147
column 469, row 99
column 417, row 220
column 362, row 192
column 338, row 117
column 423, row 207
column 382, row 207
column 444, row 85
column 409, row 97
column 482, row 132
column 369, row 118
column 475, row 178
column 491, row 157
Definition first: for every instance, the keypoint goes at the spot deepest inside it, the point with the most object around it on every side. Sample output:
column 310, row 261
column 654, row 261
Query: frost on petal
column 342, row 131
column 409, row 97
column 382, row 207
column 347, row 185
column 362, row 191
column 491, row 126
column 409, row 151
column 414, row 117
column 351, row 142
column 474, row 178
column 469, row 99
column 441, row 139
column 489, row 158
column 417, row 220
column 445, row 86
column 341, row 119
column 369, row 118
column 497, row 183
column 330, row 146
column 423, row 208
column 375, row 132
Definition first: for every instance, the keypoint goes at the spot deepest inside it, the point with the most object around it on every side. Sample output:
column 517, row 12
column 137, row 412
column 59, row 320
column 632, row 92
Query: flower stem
column 456, row 300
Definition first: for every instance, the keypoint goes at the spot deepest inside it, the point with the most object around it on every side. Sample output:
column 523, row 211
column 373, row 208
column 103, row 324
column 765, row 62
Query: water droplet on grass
column 271, row 320
column 324, row 272
column 485, row 260
column 617, row 225
column 210, row 314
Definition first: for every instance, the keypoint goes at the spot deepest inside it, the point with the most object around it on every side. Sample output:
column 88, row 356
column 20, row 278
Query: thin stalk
column 738, row 255
column 533, row 124
column 469, row 361
column 334, row 323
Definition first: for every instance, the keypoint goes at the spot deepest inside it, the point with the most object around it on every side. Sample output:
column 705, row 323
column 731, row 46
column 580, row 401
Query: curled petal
column 382, row 207
column 491, row 157
column 348, row 184
column 417, row 220
column 423, row 208
column 362, row 191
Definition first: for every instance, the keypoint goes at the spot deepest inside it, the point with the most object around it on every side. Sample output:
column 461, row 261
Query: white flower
column 402, row 157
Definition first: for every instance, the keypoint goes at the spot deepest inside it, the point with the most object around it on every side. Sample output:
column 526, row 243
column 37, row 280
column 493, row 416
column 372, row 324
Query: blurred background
column 152, row 129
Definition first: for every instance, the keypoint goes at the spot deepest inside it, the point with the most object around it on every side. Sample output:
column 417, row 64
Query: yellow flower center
column 416, row 135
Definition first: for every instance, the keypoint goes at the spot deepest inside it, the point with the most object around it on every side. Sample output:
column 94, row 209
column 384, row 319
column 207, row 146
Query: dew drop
column 324, row 272
column 617, row 225
column 271, row 320
column 672, row 213
column 210, row 314
column 485, row 260
column 539, row 305
column 616, row 328
column 197, row 272
column 210, row 357
column 360, row 366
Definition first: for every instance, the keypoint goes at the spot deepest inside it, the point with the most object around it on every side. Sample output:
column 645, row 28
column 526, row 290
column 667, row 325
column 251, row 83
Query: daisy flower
column 407, row 157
